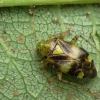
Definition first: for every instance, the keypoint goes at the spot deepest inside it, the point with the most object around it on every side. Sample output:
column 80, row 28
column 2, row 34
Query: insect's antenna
column 62, row 35
column 90, row 44
column 14, row 49
column 96, row 94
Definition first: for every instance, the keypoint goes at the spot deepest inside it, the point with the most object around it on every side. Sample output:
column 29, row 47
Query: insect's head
column 42, row 47
column 89, row 69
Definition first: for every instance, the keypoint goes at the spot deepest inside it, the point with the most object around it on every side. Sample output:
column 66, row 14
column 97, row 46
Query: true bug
column 67, row 57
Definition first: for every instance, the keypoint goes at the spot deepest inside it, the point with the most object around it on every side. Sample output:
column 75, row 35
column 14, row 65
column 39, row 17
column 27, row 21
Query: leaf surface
column 20, row 31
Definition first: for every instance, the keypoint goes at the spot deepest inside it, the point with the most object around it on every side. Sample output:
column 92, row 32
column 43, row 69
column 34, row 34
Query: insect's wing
column 73, row 60
column 71, row 50
column 70, row 66
column 65, row 64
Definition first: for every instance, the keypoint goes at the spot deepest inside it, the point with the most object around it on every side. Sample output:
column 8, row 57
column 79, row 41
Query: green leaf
column 20, row 30
column 6, row 3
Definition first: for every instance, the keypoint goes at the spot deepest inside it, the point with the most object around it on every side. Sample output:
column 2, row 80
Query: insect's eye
column 86, row 65
column 38, row 50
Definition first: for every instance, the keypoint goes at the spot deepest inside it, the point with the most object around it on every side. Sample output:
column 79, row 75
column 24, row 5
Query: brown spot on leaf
column 4, row 38
column 21, row 39
column 2, row 86
column 4, row 31
column 8, row 45
column 15, row 92
column 26, row 96
column 11, row 81
column 25, row 76
column 70, row 95
column 58, row 90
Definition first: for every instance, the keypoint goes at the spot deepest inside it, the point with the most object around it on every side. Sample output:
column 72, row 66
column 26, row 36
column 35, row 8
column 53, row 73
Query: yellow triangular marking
column 58, row 50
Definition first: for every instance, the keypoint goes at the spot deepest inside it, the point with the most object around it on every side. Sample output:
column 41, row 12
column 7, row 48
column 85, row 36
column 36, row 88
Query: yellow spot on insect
column 80, row 75
column 65, row 68
column 89, row 59
column 58, row 50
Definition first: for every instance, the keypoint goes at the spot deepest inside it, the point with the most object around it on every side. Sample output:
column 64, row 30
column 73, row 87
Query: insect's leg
column 90, row 44
column 59, row 75
column 74, row 40
column 62, row 35
column 96, row 94
column 44, row 64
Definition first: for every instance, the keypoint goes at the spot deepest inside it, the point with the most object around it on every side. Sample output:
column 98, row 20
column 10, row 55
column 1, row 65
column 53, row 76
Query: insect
column 67, row 57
